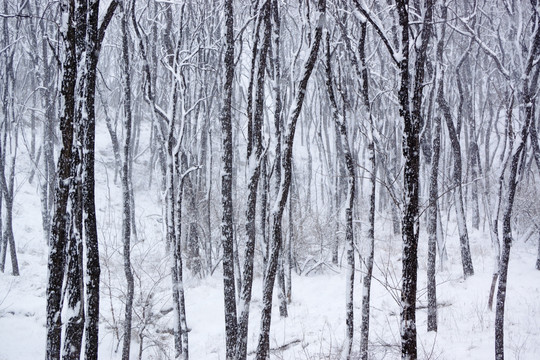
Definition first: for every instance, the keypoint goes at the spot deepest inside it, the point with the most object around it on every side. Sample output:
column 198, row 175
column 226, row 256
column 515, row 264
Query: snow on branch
column 375, row 21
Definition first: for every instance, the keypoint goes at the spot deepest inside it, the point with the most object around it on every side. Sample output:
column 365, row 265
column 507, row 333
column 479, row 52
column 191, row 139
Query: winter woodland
column 269, row 179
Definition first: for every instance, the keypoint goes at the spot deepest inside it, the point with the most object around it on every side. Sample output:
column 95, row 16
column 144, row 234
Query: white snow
column 315, row 327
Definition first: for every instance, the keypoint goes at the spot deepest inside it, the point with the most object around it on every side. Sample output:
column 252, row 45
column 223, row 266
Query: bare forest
column 269, row 179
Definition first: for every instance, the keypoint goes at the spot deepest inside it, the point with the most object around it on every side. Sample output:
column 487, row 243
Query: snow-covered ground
column 315, row 328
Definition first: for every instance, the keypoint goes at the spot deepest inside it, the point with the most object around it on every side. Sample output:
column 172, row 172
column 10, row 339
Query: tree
column 349, row 234
column 280, row 202
column 126, row 183
column 8, row 142
column 256, row 155
column 227, row 237
column 57, row 242
column 529, row 85
column 83, row 39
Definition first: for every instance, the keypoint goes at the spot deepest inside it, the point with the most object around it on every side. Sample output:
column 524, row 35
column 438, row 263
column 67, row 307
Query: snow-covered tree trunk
column 181, row 339
column 278, row 107
column 94, row 39
column 9, row 134
column 494, row 218
column 341, row 125
column 83, row 41
column 366, row 289
column 466, row 258
column 284, row 279
column 227, row 236
column 255, row 159
column 466, row 112
column 263, row 345
column 74, row 288
column 507, row 229
column 432, row 227
column 58, row 240
column 264, row 188
column 7, row 181
column 529, row 88
column 411, row 153
column 126, row 187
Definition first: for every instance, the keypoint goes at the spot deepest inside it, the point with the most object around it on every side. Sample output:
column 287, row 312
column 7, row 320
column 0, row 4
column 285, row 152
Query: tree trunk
column 366, row 290
column 432, row 227
column 126, row 180
column 466, row 259
column 94, row 40
column 75, row 281
column 529, row 87
column 507, row 241
column 277, row 210
column 227, row 236
column 341, row 125
column 411, row 153
column 494, row 221
column 255, row 158
column 58, row 240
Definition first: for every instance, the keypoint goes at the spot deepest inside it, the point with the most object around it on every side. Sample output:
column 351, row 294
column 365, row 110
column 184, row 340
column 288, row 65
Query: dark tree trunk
column 366, row 293
column 74, row 283
column 507, row 235
column 94, row 39
column 494, row 225
column 432, row 227
column 181, row 329
column 57, row 243
column 529, row 86
column 466, row 259
column 411, row 153
column 227, row 236
column 277, row 211
column 292, row 235
column 88, row 127
column 264, row 189
column 351, row 173
column 255, row 158
column 126, row 179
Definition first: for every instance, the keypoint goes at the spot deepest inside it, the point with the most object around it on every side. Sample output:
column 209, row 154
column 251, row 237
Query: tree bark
column 277, row 210
column 466, row 259
column 411, row 153
column 366, row 290
column 255, row 159
column 74, row 289
column 126, row 179
column 94, row 40
column 529, row 87
column 351, row 173
column 432, row 227
column 227, row 236
column 58, row 240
